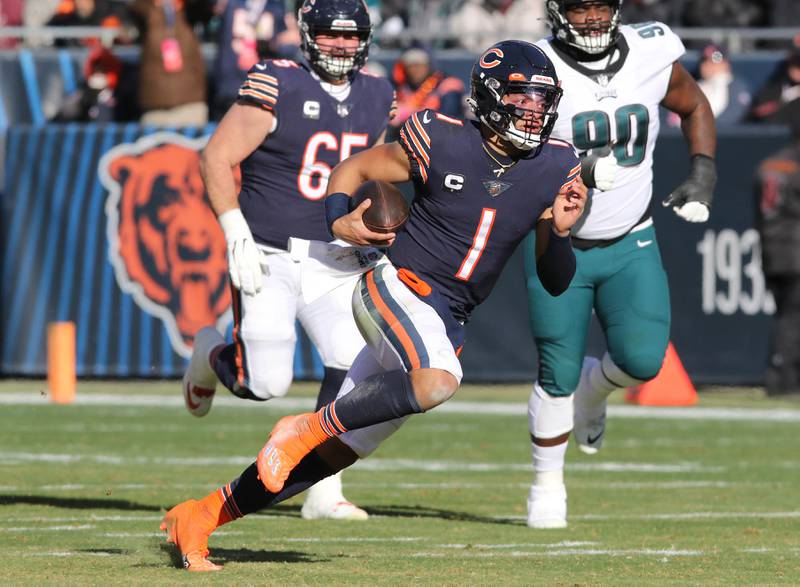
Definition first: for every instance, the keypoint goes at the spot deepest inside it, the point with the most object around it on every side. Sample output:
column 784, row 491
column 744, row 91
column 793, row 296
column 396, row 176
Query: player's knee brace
column 548, row 416
column 632, row 368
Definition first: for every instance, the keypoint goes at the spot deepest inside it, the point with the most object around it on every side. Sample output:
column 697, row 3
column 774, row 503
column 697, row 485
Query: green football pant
column 626, row 286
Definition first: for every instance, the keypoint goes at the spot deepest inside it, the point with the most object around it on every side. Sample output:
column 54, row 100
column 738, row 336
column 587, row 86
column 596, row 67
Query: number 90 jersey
column 285, row 179
column 617, row 107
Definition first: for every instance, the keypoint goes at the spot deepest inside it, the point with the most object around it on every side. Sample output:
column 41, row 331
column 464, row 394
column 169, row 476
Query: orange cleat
column 292, row 438
column 188, row 526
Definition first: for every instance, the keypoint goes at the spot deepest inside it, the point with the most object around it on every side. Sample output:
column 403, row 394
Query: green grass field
column 709, row 497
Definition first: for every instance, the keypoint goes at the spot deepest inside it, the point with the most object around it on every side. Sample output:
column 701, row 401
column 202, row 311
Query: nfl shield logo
column 343, row 110
column 494, row 187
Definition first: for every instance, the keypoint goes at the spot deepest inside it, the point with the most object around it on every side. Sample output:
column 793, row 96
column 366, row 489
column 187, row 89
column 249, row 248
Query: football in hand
column 388, row 210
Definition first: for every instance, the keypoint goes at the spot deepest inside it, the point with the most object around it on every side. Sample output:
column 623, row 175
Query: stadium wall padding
column 74, row 195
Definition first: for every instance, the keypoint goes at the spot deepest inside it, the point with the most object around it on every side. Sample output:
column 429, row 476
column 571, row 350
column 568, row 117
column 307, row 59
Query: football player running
column 614, row 79
column 291, row 125
column 480, row 188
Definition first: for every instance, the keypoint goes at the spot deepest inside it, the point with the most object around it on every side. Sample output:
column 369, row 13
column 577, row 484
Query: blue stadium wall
column 61, row 261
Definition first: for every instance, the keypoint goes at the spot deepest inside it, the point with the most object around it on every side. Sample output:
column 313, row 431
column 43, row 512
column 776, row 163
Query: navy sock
column 331, row 384
column 378, row 398
column 250, row 495
column 224, row 365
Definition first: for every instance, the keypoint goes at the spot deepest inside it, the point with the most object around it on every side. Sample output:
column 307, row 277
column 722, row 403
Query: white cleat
column 200, row 381
column 589, row 424
column 325, row 501
column 547, row 506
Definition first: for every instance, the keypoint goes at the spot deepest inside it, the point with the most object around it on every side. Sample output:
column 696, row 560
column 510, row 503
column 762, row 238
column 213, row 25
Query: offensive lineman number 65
column 313, row 178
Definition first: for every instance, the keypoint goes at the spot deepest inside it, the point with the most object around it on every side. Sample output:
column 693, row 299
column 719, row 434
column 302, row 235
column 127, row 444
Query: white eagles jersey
column 617, row 106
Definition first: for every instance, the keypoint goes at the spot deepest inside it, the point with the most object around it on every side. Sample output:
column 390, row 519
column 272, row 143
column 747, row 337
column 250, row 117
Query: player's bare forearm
column 240, row 132
column 686, row 99
column 386, row 162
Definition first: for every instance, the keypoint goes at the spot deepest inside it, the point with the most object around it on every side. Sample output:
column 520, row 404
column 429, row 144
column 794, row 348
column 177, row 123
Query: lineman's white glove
column 693, row 211
column 244, row 258
column 599, row 170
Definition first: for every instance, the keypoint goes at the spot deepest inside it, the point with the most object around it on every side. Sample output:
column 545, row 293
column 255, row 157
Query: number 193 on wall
column 732, row 277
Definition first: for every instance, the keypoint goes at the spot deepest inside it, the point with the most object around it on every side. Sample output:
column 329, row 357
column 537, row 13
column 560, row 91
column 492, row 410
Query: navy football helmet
column 334, row 16
column 588, row 41
column 511, row 74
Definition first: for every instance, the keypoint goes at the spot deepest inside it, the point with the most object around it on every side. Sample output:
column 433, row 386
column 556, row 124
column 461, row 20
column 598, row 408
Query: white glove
column 244, row 258
column 605, row 172
column 693, row 211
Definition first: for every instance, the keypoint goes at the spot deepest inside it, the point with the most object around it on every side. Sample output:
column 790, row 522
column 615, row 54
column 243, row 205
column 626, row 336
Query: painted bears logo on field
column 165, row 243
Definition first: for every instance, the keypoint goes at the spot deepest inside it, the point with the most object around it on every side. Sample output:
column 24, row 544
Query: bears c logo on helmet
column 489, row 59
column 166, row 246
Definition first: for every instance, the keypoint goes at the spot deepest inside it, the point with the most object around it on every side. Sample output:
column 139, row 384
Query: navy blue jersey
column 465, row 221
column 284, row 180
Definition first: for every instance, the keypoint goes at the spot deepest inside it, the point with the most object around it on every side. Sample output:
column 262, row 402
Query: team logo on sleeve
column 166, row 246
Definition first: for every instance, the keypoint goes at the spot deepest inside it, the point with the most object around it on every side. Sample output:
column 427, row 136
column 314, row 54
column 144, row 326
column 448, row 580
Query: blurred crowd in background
column 171, row 85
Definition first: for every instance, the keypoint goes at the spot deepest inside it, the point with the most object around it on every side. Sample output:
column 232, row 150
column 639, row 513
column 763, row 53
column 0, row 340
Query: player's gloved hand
column 568, row 206
column 692, row 199
column 244, row 258
column 350, row 228
column 599, row 170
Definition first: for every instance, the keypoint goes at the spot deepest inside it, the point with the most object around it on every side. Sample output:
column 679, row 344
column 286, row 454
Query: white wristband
column 234, row 225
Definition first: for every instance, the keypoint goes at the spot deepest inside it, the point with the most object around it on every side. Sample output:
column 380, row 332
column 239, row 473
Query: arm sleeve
column 556, row 266
column 260, row 87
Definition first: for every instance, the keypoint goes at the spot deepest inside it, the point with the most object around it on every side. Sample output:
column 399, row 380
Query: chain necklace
column 503, row 166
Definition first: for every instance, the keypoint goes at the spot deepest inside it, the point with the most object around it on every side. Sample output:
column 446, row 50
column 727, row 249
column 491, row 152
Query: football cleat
column 200, row 381
column 290, row 440
column 324, row 501
column 547, row 506
column 590, row 415
column 188, row 526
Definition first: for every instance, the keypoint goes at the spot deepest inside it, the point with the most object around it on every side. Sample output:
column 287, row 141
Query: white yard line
column 682, row 516
column 454, row 407
column 565, row 552
column 376, row 464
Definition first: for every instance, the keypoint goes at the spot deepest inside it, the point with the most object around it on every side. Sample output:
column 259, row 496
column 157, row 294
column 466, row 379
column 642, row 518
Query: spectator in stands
column 172, row 75
column 478, row 24
column 646, row 10
column 94, row 100
column 86, row 13
column 723, row 13
column 778, row 193
column 10, row 15
column 419, row 86
column 778, row 101
column 247, row 30
column 729, row 96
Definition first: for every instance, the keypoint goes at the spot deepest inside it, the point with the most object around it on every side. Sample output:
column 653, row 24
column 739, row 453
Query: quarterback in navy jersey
column 292, row 123
column 479, row 189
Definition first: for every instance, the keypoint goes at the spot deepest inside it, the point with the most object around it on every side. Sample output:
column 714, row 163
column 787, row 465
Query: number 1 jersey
column 617, row 107
column 468, row 217
column 285, row 179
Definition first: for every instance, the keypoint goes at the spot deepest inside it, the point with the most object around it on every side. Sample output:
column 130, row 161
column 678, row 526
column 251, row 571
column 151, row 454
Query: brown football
column 388, row 210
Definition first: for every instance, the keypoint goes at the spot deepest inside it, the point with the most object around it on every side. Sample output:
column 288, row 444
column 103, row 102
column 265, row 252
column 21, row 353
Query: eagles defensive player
column 479, row 189
column 614, row 80
column 291, row 124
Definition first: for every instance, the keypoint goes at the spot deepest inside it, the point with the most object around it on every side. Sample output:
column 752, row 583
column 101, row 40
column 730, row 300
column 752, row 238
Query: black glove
column 692, row 199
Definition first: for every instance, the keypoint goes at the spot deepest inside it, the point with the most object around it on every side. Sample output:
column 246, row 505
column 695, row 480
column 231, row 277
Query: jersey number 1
column 479, row 242
column 313, row 178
